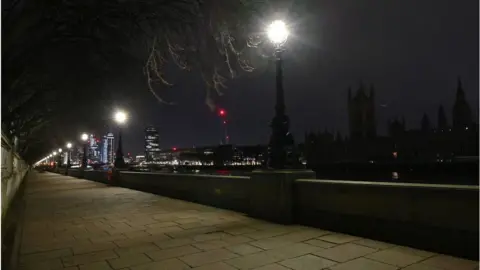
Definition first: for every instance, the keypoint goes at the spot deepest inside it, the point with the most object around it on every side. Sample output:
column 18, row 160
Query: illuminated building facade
column 94, row 150
column 152, row 144
column 108, row 149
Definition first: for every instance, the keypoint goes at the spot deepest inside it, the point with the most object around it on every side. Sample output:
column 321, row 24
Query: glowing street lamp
column 277, row 32
column 59, row 159
column 84, row 138
column 120, row 117
column 281, row 140
column 69, row 154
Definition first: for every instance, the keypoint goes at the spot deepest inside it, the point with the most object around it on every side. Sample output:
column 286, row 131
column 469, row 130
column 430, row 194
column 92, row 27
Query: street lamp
column 120, row 117
column 281, row 146
column 84, row 138
column 277, row 32
column 59, row 159
column 69, row 147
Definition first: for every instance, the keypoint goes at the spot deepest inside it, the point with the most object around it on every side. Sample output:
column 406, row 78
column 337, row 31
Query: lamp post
column 281, row 144
column 54, row 159
column 120, row 117
column 69, row 147
column 59, row 157
column 84, row 138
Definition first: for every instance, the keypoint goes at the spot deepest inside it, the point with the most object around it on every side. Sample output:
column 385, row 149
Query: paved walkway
column 79, row 224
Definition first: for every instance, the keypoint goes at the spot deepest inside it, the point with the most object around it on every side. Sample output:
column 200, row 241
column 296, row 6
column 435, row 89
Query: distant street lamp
column 59, row 159
column 84, row 138
column 120, row 118
column 54, row 157
column 281, row 144
column 69, row 153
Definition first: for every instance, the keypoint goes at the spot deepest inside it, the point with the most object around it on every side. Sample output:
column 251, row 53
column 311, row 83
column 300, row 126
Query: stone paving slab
column 79, row 224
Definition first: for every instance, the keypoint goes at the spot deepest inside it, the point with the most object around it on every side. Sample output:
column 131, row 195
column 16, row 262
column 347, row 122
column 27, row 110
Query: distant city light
column 69, row 145
column 84, row 137
column 59, row 150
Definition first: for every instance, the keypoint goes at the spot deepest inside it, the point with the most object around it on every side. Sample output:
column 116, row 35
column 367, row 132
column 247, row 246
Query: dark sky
column 411, row 50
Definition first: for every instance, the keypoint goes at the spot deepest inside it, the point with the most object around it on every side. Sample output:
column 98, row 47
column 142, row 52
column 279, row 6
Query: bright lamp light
column 69, row 145
column 277, row 32
column 84, row 137
column 59, row 150
column 120, row 117
column 54, row 153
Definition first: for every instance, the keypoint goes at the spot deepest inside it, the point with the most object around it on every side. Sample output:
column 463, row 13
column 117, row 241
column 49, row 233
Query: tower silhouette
column 441, row 119
column 462, row 114
column 425, row 123
column 361, row 111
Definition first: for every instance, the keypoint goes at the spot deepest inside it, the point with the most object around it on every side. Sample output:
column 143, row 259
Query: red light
column 222, row 112
column 225, row 122
column 174, row 149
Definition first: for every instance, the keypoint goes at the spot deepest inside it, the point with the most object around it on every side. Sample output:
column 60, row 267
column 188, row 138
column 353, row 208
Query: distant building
column 108, row 148
column 361, row 112
column 422, row 144
column 152, row 144
column 462, row 114
column 139, row 159
column 65, row 158
column 94, row 150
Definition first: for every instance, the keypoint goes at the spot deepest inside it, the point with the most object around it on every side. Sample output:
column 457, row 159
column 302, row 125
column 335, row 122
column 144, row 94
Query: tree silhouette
column 51, row 48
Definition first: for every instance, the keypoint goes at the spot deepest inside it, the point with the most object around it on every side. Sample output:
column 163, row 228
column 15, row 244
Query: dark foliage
column 56, row 52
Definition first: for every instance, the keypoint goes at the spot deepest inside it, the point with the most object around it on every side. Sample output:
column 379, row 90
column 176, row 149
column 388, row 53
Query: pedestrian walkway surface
column 78, row 224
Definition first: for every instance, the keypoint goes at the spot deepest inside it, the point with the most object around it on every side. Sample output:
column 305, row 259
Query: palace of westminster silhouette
column 426, row 144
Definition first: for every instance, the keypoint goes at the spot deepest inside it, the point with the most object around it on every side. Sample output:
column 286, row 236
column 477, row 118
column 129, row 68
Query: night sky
column 411, row 50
